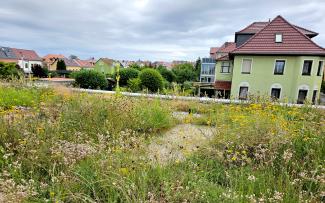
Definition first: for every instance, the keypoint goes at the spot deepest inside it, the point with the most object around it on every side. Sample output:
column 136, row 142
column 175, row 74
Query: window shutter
column 247, row 64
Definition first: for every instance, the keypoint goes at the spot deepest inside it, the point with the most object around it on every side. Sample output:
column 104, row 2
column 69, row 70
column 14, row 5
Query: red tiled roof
column 294, row 41
column 223, row 58
column 84, row 63
column 26, row 54
column 227, row 47
column 214, row 50
column 257, row 26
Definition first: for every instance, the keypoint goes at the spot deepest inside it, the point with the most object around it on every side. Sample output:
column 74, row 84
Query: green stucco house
column 275, row 59
column 106, row 66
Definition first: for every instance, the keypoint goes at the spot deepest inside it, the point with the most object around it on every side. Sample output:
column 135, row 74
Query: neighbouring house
column 85, row 64
column 71, row 64
column 26, row 59
column 274, row 58
column 50, row 59
column 106, row 66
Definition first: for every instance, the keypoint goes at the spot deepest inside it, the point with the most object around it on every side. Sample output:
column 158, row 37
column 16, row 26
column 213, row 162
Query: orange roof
column 50, row 57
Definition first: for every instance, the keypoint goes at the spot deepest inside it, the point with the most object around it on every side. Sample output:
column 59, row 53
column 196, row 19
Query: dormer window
column 278, row 38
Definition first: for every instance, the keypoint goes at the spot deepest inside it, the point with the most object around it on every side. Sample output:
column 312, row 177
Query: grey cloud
column 146, row 29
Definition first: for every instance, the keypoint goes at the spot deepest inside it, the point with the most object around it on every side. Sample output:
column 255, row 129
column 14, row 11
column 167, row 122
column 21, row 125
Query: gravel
column 179, row 142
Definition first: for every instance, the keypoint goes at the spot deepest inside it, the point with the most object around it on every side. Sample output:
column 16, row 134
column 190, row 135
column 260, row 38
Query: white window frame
column 242, row 63
column 284, row 68
column 278, row 40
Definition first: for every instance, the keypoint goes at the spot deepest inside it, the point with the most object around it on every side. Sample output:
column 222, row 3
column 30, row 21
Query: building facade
column 274, row 59
column 26, row 59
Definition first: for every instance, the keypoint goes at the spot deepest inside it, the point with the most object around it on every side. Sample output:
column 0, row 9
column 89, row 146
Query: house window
column 279, row 67
column 243, row 93
column 208, row 69
column 278, row 38
column 207, row 79
column 306, row 70
column 275, row 93
column 246, row 66
column 320, row 68
column 26, row 65
column 302, row 96
column 314, row 96
column 225, row 67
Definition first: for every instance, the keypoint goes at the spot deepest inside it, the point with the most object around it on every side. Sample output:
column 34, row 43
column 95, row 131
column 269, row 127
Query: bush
column 10, row 71
column 167, row 74
column 91, row 79
column 187, row 85
column 40, row 72
column 185, row 72
column 127, row 74
column 151, row 79
column 53, row 74
column 134, row 84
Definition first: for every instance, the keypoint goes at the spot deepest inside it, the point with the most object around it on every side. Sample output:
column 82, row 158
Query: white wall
column 27, row 65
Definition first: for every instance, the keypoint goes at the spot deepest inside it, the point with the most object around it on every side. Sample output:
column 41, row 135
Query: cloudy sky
column 143, row 29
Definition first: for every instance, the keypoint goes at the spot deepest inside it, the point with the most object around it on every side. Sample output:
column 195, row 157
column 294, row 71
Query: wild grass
column 72, row 147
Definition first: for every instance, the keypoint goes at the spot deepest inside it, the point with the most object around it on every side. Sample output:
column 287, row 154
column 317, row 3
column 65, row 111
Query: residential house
column 273, row 58
column 217, row 52
column 85, row 64
column 26, row 59
column 106, row 66
column 71, row 64
column 50, row 59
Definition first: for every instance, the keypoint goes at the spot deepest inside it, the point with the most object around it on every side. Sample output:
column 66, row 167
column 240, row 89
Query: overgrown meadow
column 62, row 146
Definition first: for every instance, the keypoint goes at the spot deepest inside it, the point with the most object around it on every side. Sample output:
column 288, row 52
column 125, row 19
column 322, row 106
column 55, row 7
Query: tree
column 38, row 71
column 61, row 65
column 134, row 84
column 197, row 67
column 166, row 74
column 10, row 71
column 151, row 79
column 184, row 72
column 90, row 79
column 135, row 66
column 127, row 74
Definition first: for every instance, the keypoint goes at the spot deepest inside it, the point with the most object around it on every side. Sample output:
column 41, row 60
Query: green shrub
column 39, row 71
column 127, row 74
column 185, row 72
column 53, row 74
column 91, row 79
column 10, row 71
column 187, row 85
column 134, row 84
column 167, row 74
column 151, row 79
